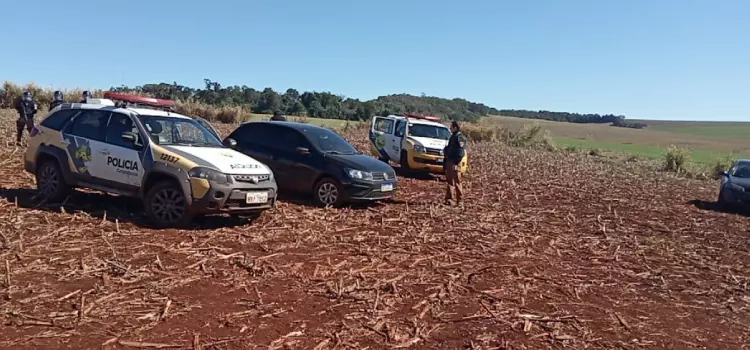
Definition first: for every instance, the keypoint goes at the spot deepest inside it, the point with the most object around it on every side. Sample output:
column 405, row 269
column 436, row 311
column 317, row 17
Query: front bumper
column 231, row 198
column 735, row 195
column 431, row 163
column 365, row 191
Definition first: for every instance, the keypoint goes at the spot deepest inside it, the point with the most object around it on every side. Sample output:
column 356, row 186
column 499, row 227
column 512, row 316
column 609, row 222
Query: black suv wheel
column 50, row 181
column 166, row 205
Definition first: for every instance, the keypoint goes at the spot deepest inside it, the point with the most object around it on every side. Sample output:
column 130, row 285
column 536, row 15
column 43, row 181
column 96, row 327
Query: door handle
column 104, row 152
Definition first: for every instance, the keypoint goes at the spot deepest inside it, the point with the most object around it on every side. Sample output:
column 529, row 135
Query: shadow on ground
column 107, row 207
column 306, row 201
column 716, row 207
column 417, row 175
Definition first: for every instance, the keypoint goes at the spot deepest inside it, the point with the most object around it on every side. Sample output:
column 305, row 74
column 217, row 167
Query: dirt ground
column 551, row 251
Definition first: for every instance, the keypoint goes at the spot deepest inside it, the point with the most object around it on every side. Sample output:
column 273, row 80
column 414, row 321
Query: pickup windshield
column 178, row 131
column 431, row 131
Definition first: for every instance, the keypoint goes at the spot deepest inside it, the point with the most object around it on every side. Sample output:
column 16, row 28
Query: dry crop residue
column 549, row 250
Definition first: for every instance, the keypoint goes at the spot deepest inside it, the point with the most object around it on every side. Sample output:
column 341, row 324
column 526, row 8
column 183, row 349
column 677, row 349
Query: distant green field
column 733, row 130
column 698, row 156
column 707, row 141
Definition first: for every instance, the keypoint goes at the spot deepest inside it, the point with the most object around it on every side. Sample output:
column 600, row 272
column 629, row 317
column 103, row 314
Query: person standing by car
column 454, row 153
column 27, row 109
column 58, row 100
column 278, row 117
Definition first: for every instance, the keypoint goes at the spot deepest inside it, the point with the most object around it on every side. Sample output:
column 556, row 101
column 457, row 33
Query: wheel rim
column 168, row 205
column 328, row 193
column 48, row 181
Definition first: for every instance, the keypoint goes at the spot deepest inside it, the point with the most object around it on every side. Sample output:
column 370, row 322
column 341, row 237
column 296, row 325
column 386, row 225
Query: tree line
column 322, row 104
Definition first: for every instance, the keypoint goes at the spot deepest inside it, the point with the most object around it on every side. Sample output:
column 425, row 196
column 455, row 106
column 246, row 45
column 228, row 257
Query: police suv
column 177, row 165
column 413, row 141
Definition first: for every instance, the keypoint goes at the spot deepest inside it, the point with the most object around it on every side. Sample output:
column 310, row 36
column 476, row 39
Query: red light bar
column 157, row 102
column 421, row 116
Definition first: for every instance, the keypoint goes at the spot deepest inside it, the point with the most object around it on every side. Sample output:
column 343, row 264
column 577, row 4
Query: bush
column 479, row 133
column 676, row 159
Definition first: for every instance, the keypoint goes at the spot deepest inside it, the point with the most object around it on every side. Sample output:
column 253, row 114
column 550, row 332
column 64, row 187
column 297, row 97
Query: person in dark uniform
column 454, row 153
column 86, row 95
column 278, row 117
column 58, row 100
column 27, row 109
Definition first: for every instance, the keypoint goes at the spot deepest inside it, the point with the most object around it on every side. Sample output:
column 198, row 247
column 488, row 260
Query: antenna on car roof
column 142, row 101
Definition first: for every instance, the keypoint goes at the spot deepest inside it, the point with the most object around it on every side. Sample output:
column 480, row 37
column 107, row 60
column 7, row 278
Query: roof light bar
column 421, row 116
column 141, row 100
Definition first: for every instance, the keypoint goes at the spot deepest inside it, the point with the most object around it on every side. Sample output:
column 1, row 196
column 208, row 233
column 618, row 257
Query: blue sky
column 654, row 59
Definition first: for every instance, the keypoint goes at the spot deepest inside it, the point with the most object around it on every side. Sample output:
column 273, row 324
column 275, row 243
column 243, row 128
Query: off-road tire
column 50, row 181
column 335, row 197
column 174, row 205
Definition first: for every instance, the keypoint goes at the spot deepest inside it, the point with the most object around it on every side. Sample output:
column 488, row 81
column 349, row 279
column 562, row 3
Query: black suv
column 314, row 160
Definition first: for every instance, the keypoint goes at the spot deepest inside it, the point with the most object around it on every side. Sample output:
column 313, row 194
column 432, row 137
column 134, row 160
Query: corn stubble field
column 550, row 251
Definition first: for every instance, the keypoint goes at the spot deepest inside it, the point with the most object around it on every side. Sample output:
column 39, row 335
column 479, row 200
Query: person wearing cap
column 86, row 95
column 454, row 153
column 27, row 109
column 58, row 100
column 278, row 117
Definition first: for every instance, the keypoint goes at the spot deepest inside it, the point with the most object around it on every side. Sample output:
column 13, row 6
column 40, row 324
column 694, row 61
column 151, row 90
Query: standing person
column 57, row 101
column 454, row 153
column 86, row 95
column 278, row 117
column 27, row 109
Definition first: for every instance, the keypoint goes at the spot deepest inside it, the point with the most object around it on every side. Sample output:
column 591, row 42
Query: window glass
column 90, row 124
column 288, row 140
column 119, row 124
column 255, row 134
column 400, row 128
column 178, row 131
column 57, row 120
column 431, row 131
column 384, row 125
column 328, row 141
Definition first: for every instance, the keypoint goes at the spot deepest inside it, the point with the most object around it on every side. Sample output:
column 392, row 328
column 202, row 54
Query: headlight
column 359, row 174
column 209, row 174
column 419, row 148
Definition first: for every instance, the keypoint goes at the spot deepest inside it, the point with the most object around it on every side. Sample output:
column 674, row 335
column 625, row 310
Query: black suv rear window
column 57, row 120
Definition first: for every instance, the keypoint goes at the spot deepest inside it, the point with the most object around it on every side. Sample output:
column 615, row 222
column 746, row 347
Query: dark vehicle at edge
column 735, row 184
column 314, row 160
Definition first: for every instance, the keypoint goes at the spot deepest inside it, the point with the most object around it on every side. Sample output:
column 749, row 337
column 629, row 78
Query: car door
column 397, row 139
column 381, row 137
column 83, row 138
column 253, row 139
column 295, row 170
column 124, row 159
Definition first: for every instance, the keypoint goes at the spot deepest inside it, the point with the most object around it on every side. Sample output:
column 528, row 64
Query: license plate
column 256, row 197
column 386, row 187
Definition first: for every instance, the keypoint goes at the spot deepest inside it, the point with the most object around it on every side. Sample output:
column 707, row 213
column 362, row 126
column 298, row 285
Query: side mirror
column 231, row 143
column 129, row 137
column 723, row 172
column 303, row 151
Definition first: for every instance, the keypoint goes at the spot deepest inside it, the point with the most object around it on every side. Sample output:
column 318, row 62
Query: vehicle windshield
column 742, row 170
column 178, row 131
column 329, row 142
column 431, row 131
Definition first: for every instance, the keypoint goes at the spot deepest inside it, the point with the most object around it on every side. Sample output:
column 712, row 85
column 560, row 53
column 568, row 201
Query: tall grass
column 530, row 136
